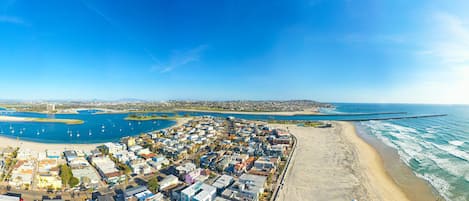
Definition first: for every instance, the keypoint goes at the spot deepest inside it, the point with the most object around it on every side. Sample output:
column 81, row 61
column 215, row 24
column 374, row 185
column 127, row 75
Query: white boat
column 102, row 127
column 43, row 130
column 139, row 123
column 78, row 134
column 102, row 131
column 89, row 133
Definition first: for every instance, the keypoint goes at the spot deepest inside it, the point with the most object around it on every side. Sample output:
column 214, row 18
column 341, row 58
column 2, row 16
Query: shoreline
column 416, row 188
column 345, row 167
column 42, row 146
column 39, row 146
column 40, row 120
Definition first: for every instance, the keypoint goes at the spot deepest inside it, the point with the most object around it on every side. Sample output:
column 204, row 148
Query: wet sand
column 415, row 188
column 335, row 164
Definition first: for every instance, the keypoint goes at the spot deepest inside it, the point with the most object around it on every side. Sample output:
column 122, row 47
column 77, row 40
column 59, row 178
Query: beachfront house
column 248, row 187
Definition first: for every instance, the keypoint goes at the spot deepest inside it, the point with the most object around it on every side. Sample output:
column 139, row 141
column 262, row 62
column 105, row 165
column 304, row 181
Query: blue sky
column 340, row 50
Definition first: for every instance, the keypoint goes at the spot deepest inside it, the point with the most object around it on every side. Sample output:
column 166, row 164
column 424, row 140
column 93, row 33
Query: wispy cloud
column 454, row 46
column 180, row 58
column 12, row 20
column 446, row 75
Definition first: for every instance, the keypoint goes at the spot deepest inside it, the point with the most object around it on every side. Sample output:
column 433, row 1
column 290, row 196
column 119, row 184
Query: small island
column 40, row 120
column 145, row 117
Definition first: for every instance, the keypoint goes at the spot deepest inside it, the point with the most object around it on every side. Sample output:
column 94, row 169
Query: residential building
column 198, row 192
column 168, row 181
column 107, row 169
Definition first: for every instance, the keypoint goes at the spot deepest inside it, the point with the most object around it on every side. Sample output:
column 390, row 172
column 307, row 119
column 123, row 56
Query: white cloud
column 446, row 77
column 451, row 43
column 181, row 58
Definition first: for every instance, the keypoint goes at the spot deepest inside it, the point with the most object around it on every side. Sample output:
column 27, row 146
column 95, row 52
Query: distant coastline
column 305, row 112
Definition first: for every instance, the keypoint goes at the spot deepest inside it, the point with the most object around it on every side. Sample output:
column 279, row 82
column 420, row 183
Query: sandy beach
column 335, row 164
column 305, row 112
column 13, row 119
column 44, row 120
column 39, row 147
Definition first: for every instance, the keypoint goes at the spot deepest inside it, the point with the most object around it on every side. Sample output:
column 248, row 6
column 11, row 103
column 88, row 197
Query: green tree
column 65, row 174
column 74, row 181
column 153, row 185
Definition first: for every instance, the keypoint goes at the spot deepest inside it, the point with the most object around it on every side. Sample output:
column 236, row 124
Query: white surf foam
column 456, row 142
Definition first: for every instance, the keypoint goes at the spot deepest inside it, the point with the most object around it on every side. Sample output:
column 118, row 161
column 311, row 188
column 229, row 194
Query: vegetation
column 67, row 176
column 10, row 162
column 142, row 117
column 153, row 185
column 74, row 181
column 121, row 166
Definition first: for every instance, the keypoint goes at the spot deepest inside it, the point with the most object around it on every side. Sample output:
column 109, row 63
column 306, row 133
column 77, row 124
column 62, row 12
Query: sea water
column 436, row 149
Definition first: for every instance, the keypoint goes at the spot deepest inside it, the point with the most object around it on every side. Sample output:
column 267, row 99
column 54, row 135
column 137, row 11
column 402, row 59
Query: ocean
column 436, row 149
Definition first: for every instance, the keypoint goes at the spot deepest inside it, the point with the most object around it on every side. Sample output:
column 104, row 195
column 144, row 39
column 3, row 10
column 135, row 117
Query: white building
column 199, row 192
column 169, row 181
column 107, row 169
column 113, row 148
